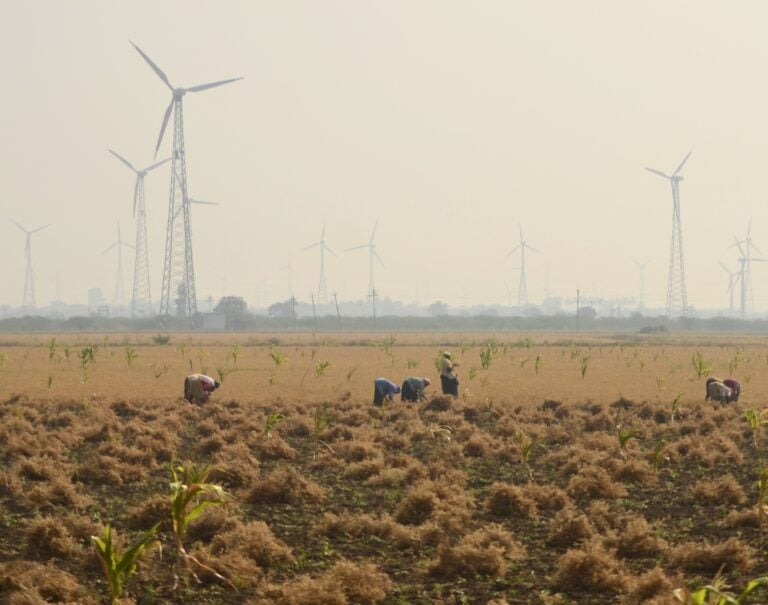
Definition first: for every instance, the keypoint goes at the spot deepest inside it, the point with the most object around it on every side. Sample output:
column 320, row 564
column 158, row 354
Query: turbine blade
column 375, row 226
column 122, row 159
column 726, row 269
column 680, row 167
column 110, row 248
column 200, row 87
column 738, row 243
column 160, row 163
column 659, row 172
column 531, row 248
column 194, row 201
column 39, row 229
column 165, row 123
column 156, row 69
column 329, row 250
column 378, row 258
column 312, row 246
column 513, row 251
column 19, row 226
column 756, row 249
column 358, row 247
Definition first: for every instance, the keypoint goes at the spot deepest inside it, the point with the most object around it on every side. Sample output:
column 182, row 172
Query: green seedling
column 716, row 593
column 584, row 365
column 190, row 495
column 119, row 567
column 624, row 436
column 236, row 353
column 700, row 365
column 223, row 372
column 525, row 445
column 537, row 364
column 350, row 373
column 278, row 357
column 658, row 454
column 273, row 419
column 321, row 367
column 52, row 349
column 130, row 356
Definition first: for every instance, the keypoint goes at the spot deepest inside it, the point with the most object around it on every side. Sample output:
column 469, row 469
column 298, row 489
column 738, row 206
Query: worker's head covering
column 446, row 354
column 427, row 381
column 216, row 384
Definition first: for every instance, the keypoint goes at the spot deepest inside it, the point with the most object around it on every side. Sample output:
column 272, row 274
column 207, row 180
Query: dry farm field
column 572, row 469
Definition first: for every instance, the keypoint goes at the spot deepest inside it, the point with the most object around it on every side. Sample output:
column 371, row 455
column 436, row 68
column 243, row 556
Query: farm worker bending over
column 413, row 389
column 735, row 388
column 448, row 379
column 198, row 387
column 383, row 389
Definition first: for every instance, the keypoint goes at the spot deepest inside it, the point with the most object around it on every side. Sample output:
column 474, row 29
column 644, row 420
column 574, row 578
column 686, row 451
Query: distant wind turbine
column 141, row 301
column 119, row 299
column 731, row 275
column 28, row 299
column 745, row 271
column 372, row 254
column 677, row 297
column 522, row 292
column 641, row 298
column 322, row 294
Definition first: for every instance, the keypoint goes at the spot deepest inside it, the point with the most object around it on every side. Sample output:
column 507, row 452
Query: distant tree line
column 238, row 319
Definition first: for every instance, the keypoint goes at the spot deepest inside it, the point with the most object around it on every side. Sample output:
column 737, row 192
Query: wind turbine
column 141, row 302
column 322, row 295
column 178, row 266
column 677, row 297
column 731, row 275
column 745, row 273
column 119, row 289
column 522, row 292
column 641, row 300
column 28, row 300
column 372, row 254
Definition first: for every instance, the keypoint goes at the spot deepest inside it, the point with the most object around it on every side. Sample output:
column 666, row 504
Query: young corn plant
column 119, row 567
column 762, row 499
column 657, row 457
column 700, row 365
column 584, row 365
column 537, row 364
column 278, row 357
column 321, row 421
column 236, row 353
column 624, row 436
column 350, row 373
column 52, row 349
column 677, row 408
column 191, row 494
column 487, row 355
column 223, row 372
column 716, row 593
column 130, row 356
column 321, row 367
column 87, row 357
column 273, row 419
column 733, row 362
column 525, row 446
column 756, row 421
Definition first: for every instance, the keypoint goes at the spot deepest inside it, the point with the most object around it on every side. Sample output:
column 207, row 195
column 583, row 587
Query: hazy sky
column 451, row 122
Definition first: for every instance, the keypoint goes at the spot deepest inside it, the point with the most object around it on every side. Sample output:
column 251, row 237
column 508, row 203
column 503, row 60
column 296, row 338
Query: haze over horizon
column 450, row 123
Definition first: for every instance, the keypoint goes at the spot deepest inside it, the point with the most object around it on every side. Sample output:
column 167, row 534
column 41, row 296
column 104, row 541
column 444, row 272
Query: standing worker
column 448, row 379
column 384, row 389
column 198, row 388
column 413, row 389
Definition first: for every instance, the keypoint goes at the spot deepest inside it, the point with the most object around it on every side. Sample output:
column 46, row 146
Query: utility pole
column 338, row 314
column 577, row 309
column 314, row 313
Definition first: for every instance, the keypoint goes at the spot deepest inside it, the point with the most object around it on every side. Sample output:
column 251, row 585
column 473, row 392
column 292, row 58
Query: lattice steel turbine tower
column 119, row 299
column 322, row 293
column 141, row 301
column 677, row 297
column 178, row 267
column 372, row 255
column 522, row 291
column 28, row 299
